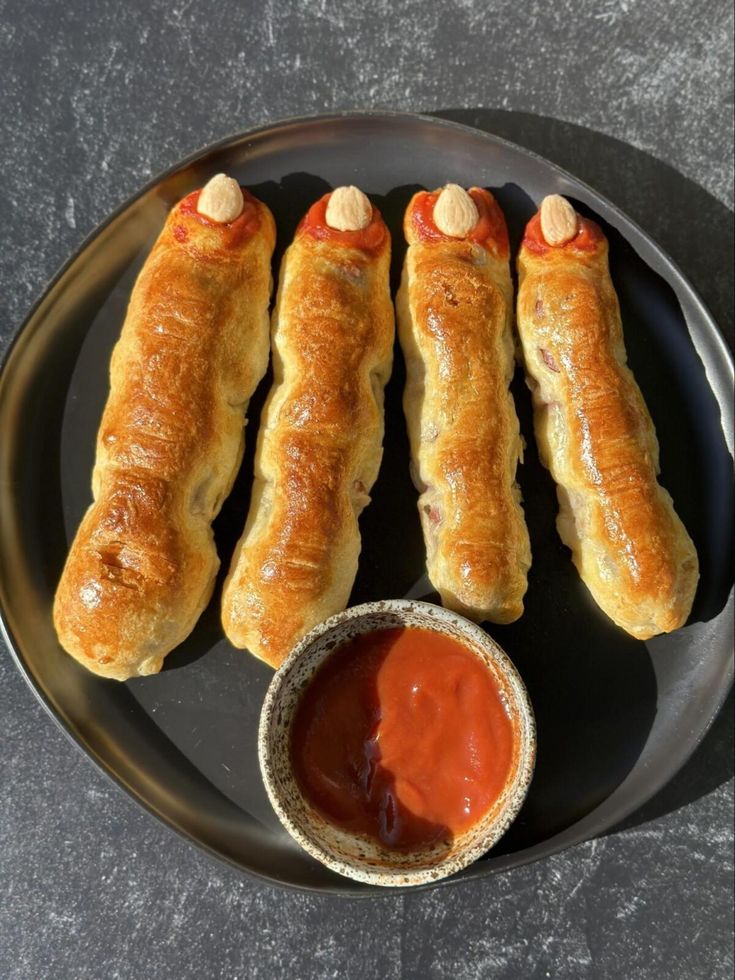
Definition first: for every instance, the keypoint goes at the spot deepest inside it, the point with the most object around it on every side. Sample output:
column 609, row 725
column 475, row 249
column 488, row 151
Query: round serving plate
column 616, row 717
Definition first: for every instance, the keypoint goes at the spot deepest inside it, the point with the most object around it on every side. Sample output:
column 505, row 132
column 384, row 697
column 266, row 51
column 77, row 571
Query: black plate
column 616, row 717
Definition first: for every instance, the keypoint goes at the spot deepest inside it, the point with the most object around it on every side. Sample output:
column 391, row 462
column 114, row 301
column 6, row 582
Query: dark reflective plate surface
column 616, row 717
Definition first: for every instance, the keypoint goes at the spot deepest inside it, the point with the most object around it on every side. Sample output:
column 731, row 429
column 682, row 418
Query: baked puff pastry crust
column 455, row 309
column 192, row 349
column 594, row 431
column 320, row 441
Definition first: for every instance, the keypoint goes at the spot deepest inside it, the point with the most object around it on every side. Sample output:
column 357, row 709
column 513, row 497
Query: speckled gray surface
column 636, row 98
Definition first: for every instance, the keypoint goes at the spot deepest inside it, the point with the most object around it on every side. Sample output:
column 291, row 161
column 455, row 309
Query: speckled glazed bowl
column 357, row 856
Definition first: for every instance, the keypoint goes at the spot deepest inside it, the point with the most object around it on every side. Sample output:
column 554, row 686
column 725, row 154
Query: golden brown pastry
column 192, row 350
column 593, row 429
column 455, row 311
column 320, row 442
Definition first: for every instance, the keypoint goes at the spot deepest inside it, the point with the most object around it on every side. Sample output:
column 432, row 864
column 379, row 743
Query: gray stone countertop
column 96, row 97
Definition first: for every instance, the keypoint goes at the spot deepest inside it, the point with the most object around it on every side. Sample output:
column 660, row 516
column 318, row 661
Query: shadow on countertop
column 710, row 766
column 697, row 231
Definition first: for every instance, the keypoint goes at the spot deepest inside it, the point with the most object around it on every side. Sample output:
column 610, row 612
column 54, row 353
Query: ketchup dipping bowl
column 396, row 743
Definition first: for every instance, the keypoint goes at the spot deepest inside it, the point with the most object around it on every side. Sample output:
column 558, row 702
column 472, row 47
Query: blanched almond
column 221, row 199
column 348, row 209
column 559, row 220
column 455, row 213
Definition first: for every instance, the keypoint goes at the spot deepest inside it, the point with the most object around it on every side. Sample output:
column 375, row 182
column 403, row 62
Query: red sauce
column 369, row 239
column 234, row 233
column 490, row 231
column 402, row 736
column 588, row 237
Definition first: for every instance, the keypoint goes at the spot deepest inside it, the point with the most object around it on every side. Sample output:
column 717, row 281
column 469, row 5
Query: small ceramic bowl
column 358, row 856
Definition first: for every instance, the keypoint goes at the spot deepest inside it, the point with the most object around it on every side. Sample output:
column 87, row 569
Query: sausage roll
column 455, row 312
column 192, row 349
column 320, row 442
column 594, row 431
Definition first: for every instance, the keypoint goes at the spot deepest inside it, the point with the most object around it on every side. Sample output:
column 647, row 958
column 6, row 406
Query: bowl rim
column 517, row 791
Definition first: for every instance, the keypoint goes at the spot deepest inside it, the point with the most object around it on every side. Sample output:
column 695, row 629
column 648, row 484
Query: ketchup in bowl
column 396, row 742
column 403, row 735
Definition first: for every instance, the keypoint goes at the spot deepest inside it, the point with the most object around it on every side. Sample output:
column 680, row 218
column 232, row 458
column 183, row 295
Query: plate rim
column 724, row 355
